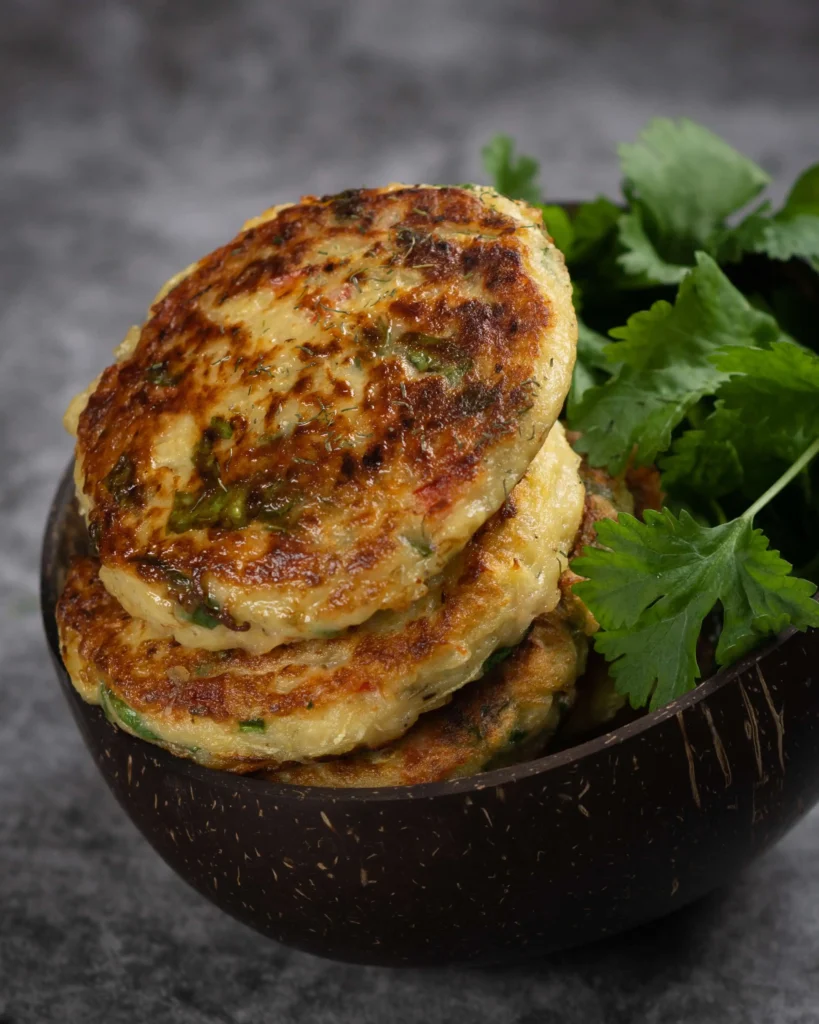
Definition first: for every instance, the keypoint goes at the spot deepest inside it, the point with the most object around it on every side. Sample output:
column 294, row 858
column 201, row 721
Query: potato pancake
column 513, row 712
column 319, row 415
column 509, row 715
column 301, row 701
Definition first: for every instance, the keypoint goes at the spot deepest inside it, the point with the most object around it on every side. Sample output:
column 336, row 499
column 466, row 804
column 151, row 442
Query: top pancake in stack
column 319, row 415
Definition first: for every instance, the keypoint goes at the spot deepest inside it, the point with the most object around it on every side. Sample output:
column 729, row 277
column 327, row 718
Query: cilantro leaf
column 781, row 386
column 682, row 181
column 642, row 263
column 593, row 348
column 654, row 583
column 792, row 232
column 804, row 196
column 780, row 237
column 591, row 365
column 667, row 365
column 559, row 226
column 594, row 224
column 512, row 177
column 705, row 461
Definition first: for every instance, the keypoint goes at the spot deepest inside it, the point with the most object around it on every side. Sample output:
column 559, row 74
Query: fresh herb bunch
column 713, row 375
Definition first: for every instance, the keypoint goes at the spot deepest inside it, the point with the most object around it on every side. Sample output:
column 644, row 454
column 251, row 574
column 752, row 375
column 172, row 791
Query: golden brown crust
column 436, row 350
column 365, row 687
column 508, row 715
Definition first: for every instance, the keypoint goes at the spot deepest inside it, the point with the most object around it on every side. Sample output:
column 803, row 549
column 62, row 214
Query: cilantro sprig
column 515, row 177
column 682, row 182
column 653, row 583
column 698, row 352
column 665, row 361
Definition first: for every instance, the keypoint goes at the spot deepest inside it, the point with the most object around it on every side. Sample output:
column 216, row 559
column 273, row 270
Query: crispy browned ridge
column 484, row 725
column 478, row 727
column 440, row 432
column 165, row 678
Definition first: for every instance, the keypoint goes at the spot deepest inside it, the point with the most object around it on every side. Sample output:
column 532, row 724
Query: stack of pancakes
column 330, row 500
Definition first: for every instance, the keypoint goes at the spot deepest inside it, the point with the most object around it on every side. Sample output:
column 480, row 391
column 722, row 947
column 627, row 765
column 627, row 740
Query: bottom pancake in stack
column 365, row 688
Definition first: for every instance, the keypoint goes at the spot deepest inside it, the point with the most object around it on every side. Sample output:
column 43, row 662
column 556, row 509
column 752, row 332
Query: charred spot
column 476, row 398
column 302, row 384
column 373, row 457
column 251, row 276
column 348, row 204
column 341, row 388
column 503, row 270
column 435, row 256
column 495, row 220
column 332, row 348
column 348, row 466
column 479, row 325
column 499, row 265
column 277, row 231
column 411, row 309
column 329, row 267
column 470, row 259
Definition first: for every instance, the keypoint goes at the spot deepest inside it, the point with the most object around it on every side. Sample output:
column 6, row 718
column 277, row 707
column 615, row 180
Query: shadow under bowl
column 553, row 853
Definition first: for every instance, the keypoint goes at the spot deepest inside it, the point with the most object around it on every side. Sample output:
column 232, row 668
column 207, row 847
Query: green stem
column 783, row 481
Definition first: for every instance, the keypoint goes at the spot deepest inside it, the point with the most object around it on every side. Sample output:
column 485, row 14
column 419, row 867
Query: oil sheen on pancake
column 316, row 417
column 318, row 698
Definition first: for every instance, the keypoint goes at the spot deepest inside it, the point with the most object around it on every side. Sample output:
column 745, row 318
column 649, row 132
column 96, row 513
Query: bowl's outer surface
column 557, row 852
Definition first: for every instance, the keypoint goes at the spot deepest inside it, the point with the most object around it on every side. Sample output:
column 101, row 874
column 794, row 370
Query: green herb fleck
column 119, row 713
column 203, row 615
column 252, row 725
column 221, row 426
column 159, row 374
column 435, row 355
column 121, row 482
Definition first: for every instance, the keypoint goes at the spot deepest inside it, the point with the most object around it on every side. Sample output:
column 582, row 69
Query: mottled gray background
column 135, row 137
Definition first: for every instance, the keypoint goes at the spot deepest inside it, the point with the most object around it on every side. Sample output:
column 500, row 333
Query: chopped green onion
column 252, row 725
column 120, row 713
column 202, row 616
column 158, row 374
column 222, row 427
column 121, row 481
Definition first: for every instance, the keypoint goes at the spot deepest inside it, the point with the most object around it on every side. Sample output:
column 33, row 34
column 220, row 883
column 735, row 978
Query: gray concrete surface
column 136, row 136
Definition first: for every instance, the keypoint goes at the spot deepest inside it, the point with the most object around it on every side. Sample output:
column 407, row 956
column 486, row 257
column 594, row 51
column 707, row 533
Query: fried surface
column 512, row 712
column 242, row 711
column 509, row 715
column 318, row 416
